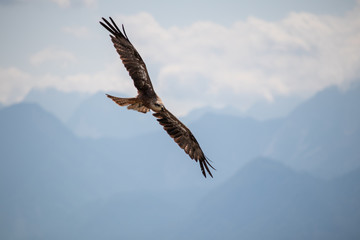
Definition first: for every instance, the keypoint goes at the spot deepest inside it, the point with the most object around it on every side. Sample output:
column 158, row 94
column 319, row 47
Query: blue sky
column 199, row 54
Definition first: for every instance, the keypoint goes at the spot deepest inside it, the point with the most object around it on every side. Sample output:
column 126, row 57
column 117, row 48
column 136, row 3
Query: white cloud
column 62, row 3
column 52, row 54
column 90, row 3
column 209, row 64
column 251, row 60
column 68, row 3
column 15, row 84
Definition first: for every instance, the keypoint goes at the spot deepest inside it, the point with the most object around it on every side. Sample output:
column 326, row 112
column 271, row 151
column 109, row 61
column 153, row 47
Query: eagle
column 147, row 99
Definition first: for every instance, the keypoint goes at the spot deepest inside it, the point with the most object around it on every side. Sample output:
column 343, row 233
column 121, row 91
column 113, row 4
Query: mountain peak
column 30, row 120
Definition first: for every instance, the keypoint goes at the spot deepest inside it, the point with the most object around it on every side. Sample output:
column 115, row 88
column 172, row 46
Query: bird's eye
column 156, row 104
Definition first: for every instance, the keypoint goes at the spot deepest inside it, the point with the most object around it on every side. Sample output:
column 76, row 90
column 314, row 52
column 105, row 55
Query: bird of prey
column 147, row 99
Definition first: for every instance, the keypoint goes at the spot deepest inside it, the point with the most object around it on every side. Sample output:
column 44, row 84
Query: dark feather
column 184, row 138
column 130, row 58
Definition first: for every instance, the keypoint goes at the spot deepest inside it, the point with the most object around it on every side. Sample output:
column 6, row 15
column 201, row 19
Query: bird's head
column 158, row 105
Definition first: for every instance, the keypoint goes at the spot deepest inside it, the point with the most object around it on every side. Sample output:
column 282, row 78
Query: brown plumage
column 147, row 99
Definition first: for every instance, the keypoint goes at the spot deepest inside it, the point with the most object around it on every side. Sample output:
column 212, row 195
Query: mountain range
column 296, row 177
column 321, row 136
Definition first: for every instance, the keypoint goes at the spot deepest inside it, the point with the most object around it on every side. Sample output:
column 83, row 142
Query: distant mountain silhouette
column 233, row 141
column 99, row 117
column 322, row 135
column 266, row 200
column 61, row 104
column 279, row 107
column 48, row 176
column 56, row 185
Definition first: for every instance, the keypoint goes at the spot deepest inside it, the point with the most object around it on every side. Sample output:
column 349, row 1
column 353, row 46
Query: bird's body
column 147, row 99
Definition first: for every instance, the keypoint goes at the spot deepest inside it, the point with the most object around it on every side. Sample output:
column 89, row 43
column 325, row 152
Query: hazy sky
column 202, row 53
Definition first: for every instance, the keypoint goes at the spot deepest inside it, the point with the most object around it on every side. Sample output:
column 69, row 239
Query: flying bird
column 147, row 99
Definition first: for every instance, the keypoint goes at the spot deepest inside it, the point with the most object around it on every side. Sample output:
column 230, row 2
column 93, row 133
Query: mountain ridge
column 61, row 186
column 266, row 199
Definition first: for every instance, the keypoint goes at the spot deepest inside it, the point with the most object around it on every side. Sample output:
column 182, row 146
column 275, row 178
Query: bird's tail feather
column 132, row 103
column 122, row 101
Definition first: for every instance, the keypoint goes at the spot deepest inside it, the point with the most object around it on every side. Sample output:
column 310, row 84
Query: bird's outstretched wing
column 130, row 58
column 184, row 138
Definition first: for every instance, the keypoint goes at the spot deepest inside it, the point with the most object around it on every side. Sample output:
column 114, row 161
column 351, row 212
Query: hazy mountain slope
column 266, row 200
column 228, row 141
column 279, row 107
column 322, row 135
column 61, row 104
column 233, row 141
column 99, row 117
column 55, row 185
